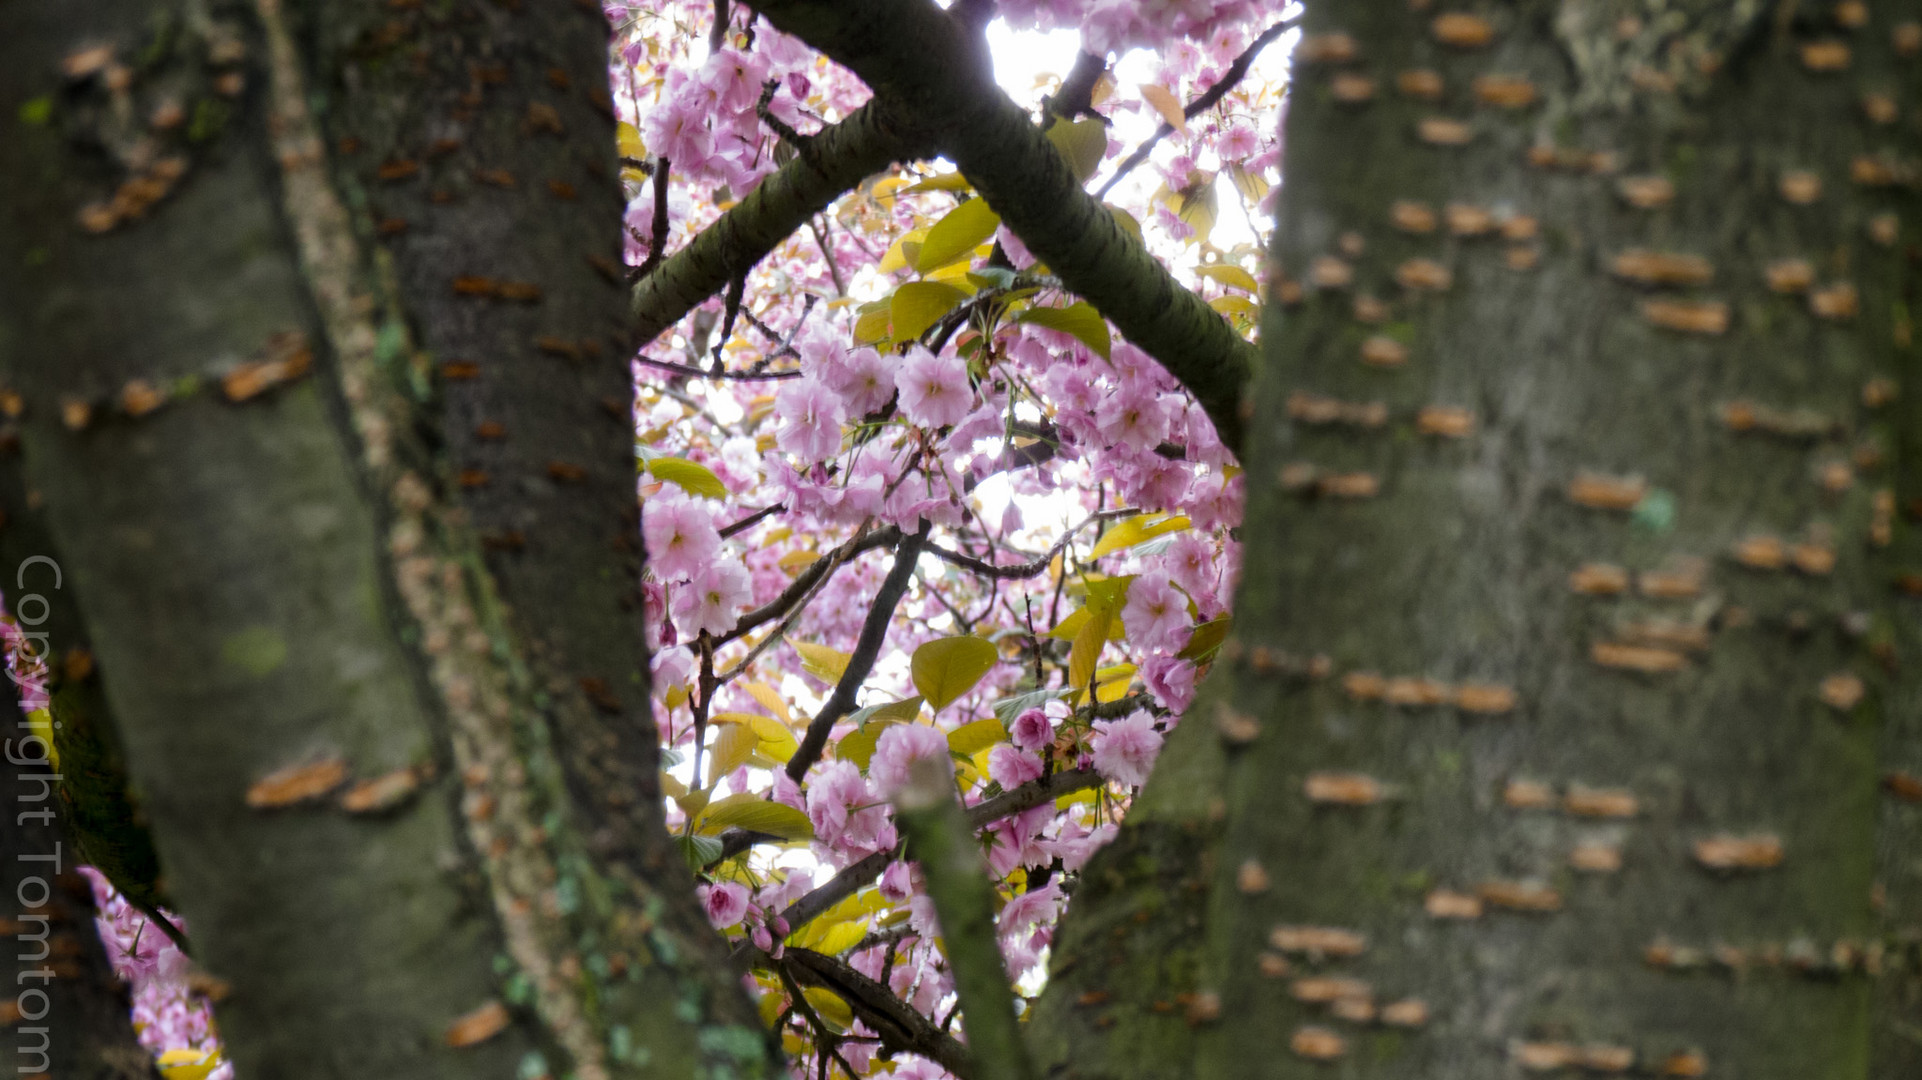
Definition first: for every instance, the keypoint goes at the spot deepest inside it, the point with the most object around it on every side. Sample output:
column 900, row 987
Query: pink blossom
column 898, row 748
column 1156, row 614
column 1238, row 143
column 726, row 903
column 1125, row 749
column 712, row 600
column 1031, row 730
column 897, row 883
column 1170, row 680
column 811, row 417
column 1011, row 766
column 934, row 388
column 674, row 129
column 680, row 535
column 1030, row 908
column 864, row 381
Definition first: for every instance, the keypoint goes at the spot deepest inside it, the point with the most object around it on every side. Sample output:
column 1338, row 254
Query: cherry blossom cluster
column 1062, row 478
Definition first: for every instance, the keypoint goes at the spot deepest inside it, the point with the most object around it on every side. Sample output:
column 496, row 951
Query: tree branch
column 901, row 1028
column 957, row 880
column 841, row 156
column 917, row 58
column 866, row 650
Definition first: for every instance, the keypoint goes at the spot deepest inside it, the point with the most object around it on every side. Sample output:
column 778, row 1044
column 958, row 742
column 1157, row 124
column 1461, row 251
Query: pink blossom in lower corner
column 1125, row 749
column 726, row 903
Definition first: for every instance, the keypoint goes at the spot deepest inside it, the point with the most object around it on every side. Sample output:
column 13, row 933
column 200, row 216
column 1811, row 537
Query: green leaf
column 1111, row 683
column 946, row 668
column 1079, row 318
column 1070, row 628
column 698, row 850
column 1251, row 184
column 1083, row 143
column 920, row 304
column 691, row 477
column 907, row 709
column 955, row 236
column 1131, row 531
column 992, row 277
column 822, row 662
column 858, row 746
column 749, row 811
column 970, row 739
column 1008, row 708
column 1206, row 639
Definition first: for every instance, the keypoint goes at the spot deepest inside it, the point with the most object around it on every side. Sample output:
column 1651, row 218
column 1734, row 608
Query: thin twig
column 867, row 648
column 1201, row 104
column 703, row 373
column 657, row 244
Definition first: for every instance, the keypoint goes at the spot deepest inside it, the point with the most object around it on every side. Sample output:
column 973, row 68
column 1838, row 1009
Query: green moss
column 258, row 650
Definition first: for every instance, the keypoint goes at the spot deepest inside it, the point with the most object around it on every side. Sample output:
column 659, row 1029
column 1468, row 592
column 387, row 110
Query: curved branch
column 915, row 56
column 840, row 156
column 901, row 1028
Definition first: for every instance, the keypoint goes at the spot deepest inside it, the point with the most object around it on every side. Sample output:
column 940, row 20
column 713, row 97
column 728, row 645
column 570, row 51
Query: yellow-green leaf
column 1166, row 104
column 830, row 1008
column 1125, row 220
column 946, row 668
column 955, row 236
column 1233, row 305
column 777, row 742
column 627, row 138
column 691, row 477
column 920, row 304
column 691, row 803
column 858, row 746
column 1070, row 628
column 1085, row 653
column 749, row 811
column 1251, row 184
column 1083, row 143
column 1111, row 683
column 970, row 739
column 897, row 253
column 840, row 937
column 1079, row 319
column 1206, row 639
column 1136, row 530
column 822, row 662
column 732, row 744
column 1194, row 204
column 952, row 181
column 1230, row 275
column 184, row 1064
column 769, row 699
column 871, row 328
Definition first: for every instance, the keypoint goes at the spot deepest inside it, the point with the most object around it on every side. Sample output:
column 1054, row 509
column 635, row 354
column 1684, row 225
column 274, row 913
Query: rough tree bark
column 410, row 564
column 1609, row 596
column 318, row 421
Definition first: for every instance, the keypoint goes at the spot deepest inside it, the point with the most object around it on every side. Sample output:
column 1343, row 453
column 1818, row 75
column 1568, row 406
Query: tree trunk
column 1563, row 687
column 379, row 670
